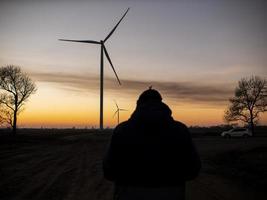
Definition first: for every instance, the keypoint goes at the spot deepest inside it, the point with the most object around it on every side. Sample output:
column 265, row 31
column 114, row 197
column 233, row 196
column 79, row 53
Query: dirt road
column 69, row 167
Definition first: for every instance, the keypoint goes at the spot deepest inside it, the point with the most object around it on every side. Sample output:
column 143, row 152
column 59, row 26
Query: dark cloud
column 186, row 91
column 197, row 92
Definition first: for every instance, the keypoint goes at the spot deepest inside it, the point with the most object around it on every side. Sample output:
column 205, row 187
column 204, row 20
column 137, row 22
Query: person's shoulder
column 121, row 127
column 179, row 125
column 182, row 130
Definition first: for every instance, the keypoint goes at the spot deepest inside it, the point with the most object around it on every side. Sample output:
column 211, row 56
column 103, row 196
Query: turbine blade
column 112, row 31
column 106, row 53
column 115, row 113
column 83, row 41
column 116, row 104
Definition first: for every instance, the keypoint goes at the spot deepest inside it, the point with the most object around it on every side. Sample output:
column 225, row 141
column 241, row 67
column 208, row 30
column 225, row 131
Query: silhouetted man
column 151, row 155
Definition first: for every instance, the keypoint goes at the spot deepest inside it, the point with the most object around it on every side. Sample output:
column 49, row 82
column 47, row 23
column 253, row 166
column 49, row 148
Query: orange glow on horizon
column 67, row 110
column 89, row 117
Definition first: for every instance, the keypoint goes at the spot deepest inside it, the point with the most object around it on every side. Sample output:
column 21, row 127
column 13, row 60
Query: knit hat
column 149, row 95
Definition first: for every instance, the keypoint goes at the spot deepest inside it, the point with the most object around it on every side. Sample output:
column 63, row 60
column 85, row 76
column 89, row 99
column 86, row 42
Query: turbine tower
column 102, row 52
column 118, row 112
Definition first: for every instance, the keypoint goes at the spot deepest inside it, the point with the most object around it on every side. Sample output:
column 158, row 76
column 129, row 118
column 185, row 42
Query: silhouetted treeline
column 196, row 131
column 55, row 131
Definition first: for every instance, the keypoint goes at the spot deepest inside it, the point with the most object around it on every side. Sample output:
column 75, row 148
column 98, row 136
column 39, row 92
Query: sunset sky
column 193, row 52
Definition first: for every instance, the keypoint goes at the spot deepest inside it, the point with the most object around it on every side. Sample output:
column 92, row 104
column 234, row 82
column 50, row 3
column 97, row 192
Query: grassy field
column 67, row 164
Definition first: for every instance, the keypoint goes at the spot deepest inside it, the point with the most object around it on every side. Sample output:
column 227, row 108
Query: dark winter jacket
column 151, row 150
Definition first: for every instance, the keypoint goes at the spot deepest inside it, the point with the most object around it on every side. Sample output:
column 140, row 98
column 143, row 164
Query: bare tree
column 16, row 88
column 5, row 116
column 2, row 117
column 249, row 101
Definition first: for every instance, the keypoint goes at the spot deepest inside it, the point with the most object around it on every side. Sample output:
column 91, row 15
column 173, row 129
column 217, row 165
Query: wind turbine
column 102, row 52
column 118, row 112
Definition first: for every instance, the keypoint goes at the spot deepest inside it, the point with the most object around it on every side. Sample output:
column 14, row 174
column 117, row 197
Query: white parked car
column 237, row 132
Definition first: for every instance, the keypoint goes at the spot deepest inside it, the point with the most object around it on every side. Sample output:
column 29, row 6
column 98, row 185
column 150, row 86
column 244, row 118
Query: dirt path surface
column 70, row 168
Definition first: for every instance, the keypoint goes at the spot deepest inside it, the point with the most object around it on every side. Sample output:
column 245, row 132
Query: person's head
column 149, row 96
column 150, row 108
